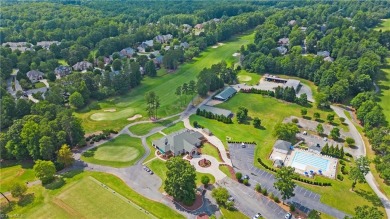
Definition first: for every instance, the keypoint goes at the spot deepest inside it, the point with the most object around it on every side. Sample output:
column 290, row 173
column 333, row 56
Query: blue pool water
column 302, row 159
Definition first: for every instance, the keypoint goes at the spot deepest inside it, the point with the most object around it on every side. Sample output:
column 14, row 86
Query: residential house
column 107, row 60
column 47, row 44
column 328, row 59
column 181, row 142
column 284, row 41
column 216, row 20
column 323, row 53
column 282, row 146
column 62, row 71
column 34, row 76
column 282, row 50
column 185, row 45
column 164, row 38
column 82, row 66
column 226, row 94
column 199, row 26
column 144, row 45
column 128, row 52
column 21, row 46
column 158, row 60
column 292, row 22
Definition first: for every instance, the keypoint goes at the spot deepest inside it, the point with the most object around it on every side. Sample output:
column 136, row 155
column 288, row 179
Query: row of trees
column 210, row 115
column 186, row 90
column 333, row 151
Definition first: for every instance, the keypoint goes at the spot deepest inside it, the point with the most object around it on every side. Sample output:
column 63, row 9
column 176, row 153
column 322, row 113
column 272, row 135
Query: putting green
column 112, row 115
column 117, row 153
column 244, row 77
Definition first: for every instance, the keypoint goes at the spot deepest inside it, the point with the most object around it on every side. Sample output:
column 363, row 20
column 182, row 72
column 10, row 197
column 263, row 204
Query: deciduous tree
column 359, row 171
column 284, row 182
column 18, row 189
column 65, row 155
column 44, row 170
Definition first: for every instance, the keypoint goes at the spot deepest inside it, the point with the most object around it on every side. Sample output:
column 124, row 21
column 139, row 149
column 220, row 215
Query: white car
column 258, row 215
column 325, row 139
column 287, row 216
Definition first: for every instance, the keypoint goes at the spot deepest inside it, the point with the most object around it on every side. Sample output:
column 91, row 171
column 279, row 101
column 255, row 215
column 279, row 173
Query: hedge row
column 296, row 177
column 239, row 142
column 257, row 91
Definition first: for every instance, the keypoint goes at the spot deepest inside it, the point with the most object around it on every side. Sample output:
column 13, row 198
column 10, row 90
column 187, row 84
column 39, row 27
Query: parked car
column 258, row 215
column 287, row 216
column 151, row 172
column 243, row 145
column 305, row 133
column 146, row 169
column 230, row 199
column 245, row 177
column 325, row 139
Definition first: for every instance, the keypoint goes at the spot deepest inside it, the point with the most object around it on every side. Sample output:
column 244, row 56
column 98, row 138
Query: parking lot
column 305, row 200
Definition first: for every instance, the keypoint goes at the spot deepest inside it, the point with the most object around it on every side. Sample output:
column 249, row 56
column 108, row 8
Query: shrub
column 238, row 176
column 292, row 208
column 276, row 199
column 271, row 195
column 295, row 120
column 92, row 142
column 264, row 192
column 342, row 162
column 340, row 177
column 245, row 182
column 348, row 154
column 195, row 124
column 258, row 187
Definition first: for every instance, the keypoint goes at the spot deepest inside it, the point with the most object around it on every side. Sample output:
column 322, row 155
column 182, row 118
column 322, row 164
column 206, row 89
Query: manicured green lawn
column 209, row 149
column 145, row 128
column 119, row 152
column 15, row 172
column 248, row 78
column 383, row 83
column 39, row 85
column 174, row 128
column 199, row 178
column 81, row 197
column 93, row 201
column 384, row 26
column 225, row 170
column 232, row 214
column 163, row 85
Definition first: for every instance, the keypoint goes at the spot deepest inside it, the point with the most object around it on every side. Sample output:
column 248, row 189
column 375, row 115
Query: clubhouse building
column 226, row 94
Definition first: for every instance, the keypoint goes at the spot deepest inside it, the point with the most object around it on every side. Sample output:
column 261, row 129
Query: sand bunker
column 134, row 117
column 218, row 45
column 236, row 54
column 109, row 110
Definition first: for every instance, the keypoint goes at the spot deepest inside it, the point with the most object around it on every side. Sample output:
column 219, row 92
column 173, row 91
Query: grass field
column 384, row 26
column 248, row 78
column 232, row 214
column 225, row 170
column 209, row 149
column 145, row 128
column 271, row 111
column 119, row 152
column 174, row 128
column 80, row 196
column 163, row 85
column 15, row 172
column 383, row 83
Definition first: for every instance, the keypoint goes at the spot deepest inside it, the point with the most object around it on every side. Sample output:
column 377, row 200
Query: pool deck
column 330, row 172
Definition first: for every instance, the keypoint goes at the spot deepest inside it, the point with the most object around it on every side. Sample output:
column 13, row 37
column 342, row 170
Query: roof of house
column 292, row 83
column 177, row 141
column 282, row 50
column 215, row 110
column 283, row 145
column 329, row 59
column 34, row 74
column 149, row 43
column 284, row 40
column 184, row 45
column 292, row 22
column 226, row 93
column 323, row 53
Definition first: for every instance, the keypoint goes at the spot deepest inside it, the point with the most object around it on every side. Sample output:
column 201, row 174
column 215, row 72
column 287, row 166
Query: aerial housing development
column 195, row 109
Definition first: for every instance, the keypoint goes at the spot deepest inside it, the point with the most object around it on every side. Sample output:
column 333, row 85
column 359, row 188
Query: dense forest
column 98, row 31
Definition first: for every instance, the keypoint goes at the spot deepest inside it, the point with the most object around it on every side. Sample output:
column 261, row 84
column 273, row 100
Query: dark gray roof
column 215, row 110
column 177, row 141
column 283, row 145
column 292, row 83
column 226, row 94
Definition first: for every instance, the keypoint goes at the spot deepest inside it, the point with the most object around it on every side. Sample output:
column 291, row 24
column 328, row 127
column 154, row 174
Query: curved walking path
column 361, row 151
column 213, row 169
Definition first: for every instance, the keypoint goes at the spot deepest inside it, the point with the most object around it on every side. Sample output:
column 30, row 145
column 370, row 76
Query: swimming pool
column 302, row 159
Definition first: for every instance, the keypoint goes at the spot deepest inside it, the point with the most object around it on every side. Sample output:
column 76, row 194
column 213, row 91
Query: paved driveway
column 243, row 158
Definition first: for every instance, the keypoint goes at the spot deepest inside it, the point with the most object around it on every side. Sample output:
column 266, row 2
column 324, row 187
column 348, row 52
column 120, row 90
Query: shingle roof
column 176, row 142
column 292, row 83
column 215, row 110
column 283, row 145
column 226, row 94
